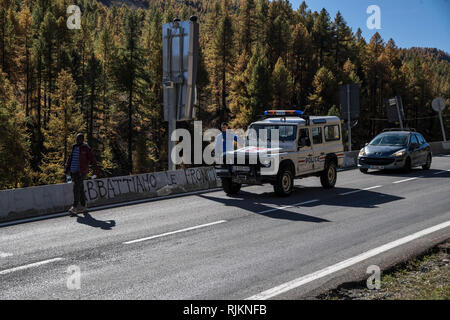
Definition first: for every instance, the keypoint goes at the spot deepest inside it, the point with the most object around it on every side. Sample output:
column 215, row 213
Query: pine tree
column 324, row 96
column 14, row 141
column 282, row 86
column 223, row 50
column 64, row 123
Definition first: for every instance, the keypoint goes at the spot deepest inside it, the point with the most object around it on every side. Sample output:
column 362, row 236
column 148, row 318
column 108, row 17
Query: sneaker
column 73, row 210
column 83, row 209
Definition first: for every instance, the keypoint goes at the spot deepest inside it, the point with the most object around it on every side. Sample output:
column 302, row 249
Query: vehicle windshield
column 390, row 139
column 286, row 132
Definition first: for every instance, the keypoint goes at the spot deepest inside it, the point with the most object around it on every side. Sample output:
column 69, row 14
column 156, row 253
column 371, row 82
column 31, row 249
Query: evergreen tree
column 282, row 86
column 64, row 123
column 14, row 142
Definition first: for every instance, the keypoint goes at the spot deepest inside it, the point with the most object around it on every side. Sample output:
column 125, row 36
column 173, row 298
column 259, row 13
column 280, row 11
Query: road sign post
column 180, row 59
column 349, row 120
column 394, row 110
column 438, row 105
column 349, row 100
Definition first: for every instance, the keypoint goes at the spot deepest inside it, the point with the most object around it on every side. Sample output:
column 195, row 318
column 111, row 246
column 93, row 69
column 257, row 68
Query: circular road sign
column 438, row 104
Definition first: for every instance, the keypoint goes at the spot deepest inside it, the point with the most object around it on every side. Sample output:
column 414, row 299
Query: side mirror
column 366, row 144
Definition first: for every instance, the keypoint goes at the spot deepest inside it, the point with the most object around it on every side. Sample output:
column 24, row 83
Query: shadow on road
column 88, row 220
column 263, row 204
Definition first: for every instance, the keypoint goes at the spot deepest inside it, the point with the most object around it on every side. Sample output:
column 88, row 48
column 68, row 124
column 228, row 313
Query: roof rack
column 399, row 129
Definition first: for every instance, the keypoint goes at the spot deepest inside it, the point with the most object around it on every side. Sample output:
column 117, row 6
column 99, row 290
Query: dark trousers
column 78, row 189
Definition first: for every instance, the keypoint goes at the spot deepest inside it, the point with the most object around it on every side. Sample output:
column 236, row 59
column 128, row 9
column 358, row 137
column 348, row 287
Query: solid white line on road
column 444, row 171
column 344, row 264
column 410, row 179
column 5, row 254
column 174, row 232
column 31, row 265
column 356, row 191
column 289, row 206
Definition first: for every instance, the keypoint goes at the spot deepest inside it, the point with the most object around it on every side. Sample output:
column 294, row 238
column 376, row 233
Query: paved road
column 211, row 246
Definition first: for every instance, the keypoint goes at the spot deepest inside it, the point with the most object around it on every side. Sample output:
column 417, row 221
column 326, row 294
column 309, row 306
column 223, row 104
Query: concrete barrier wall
column 41, row 200
column 440, row 147
column 350, row 159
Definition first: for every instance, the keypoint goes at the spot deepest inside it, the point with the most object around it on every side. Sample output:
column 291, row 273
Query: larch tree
column 64, row 123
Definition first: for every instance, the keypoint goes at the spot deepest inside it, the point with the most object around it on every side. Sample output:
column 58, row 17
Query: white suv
column 306, row 146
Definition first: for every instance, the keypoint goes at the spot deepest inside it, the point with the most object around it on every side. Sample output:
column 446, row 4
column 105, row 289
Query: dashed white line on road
column 5, row 254
column 174, row 232
column 285, row 287
column 289, row 206
column 444, row 171
column 356, row 191
column 31, row 265
column 406, row 180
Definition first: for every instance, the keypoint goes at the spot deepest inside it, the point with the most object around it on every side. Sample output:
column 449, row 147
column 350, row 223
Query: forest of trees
column 105, row 79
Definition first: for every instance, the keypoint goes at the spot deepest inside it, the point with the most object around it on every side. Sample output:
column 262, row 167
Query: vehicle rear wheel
column 427, row 164
column 407, row 167
column 329, row 175
column 230, row 187
column 364, row 170
column 285, row 182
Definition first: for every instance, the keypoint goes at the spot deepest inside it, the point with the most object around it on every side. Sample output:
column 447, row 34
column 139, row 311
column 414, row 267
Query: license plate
column 377, row 167
column 241, row 168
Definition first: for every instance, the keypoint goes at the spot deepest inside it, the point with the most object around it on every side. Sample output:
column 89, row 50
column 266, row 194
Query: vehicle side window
column 420, row 138
column 332, row 133
column 303, row 139
column 317, row 135
column 414, row 139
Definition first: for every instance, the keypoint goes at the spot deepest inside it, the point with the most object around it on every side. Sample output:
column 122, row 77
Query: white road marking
column 410, row 179
column 31, row 265
column 174, row 232
column 444, row 171
column 5, row 254
column 344, row 264
column 289, row 206
column 356, row 191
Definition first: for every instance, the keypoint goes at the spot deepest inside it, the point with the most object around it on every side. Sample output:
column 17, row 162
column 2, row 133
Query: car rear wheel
column 230, row 187
column 427, row 164
column 329, row 175
column 364, row 170
column 285, row 182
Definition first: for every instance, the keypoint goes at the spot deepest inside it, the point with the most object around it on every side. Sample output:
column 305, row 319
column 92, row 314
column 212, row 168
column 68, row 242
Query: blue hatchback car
column 395, row 150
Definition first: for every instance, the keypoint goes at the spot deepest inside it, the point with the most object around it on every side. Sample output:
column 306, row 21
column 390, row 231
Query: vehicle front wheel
column 230, row 187
column 285, row 182
column 329, row 175
column 427, row 165
column 364, row 170
column 407, row 167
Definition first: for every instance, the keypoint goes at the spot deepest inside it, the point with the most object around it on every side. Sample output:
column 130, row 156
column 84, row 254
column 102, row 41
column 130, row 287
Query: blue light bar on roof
column 283, row 113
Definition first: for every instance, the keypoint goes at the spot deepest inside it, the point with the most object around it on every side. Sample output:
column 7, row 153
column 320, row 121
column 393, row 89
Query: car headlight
column 362, row 152
column 399, row 154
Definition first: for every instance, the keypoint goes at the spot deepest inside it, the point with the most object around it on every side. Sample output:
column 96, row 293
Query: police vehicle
column 306, row 146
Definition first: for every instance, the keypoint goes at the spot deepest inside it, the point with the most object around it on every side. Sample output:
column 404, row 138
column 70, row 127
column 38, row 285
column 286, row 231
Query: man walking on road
column 77, row 166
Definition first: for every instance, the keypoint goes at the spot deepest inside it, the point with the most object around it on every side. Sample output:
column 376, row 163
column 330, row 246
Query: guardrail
column 42, row 200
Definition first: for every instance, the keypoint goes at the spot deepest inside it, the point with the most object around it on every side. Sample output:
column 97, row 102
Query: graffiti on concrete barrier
column 113, row 187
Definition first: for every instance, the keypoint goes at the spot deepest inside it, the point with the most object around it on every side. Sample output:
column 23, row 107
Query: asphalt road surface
column 211, row 246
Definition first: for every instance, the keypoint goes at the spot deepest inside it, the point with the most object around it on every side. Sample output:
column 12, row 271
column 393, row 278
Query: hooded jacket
column 86, row 158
